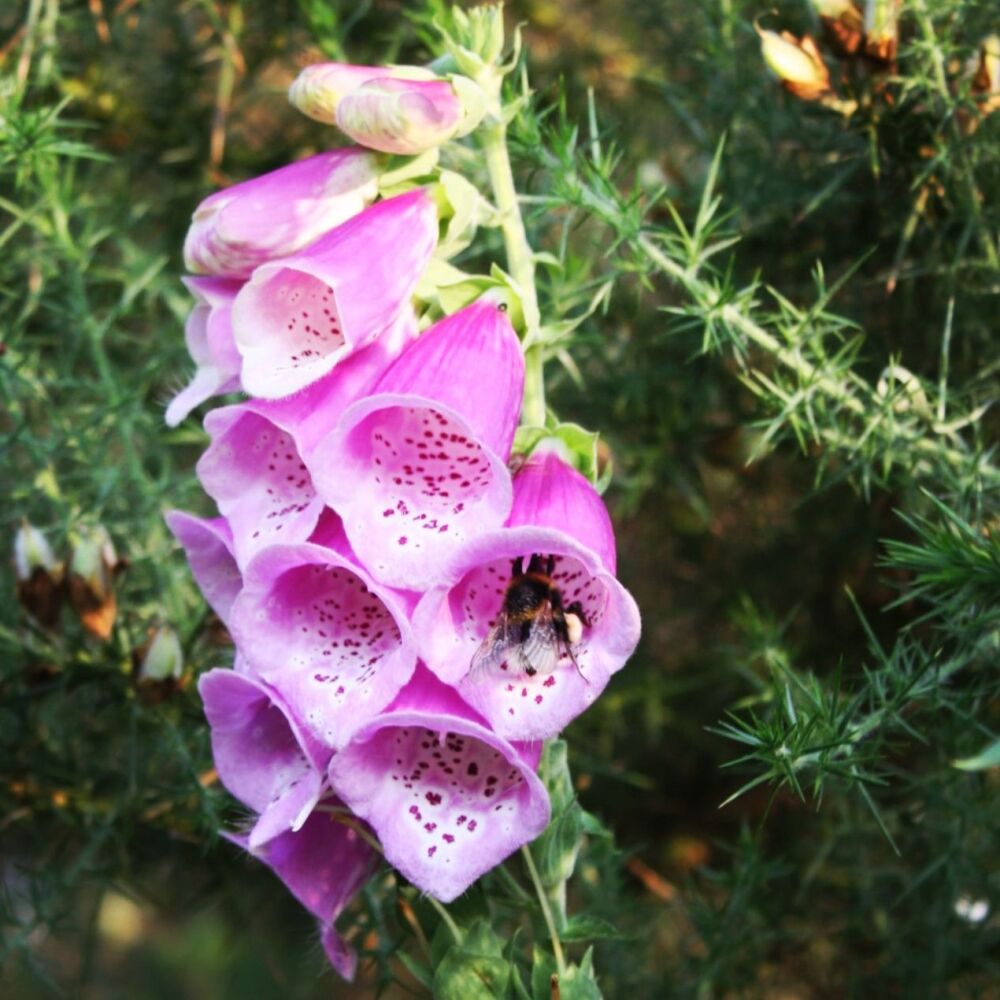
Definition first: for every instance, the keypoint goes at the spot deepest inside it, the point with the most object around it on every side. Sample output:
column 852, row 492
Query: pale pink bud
column 318, row 89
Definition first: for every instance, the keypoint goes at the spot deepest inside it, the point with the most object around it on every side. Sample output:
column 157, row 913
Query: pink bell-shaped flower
column 209, row 336
column 419, row 466
column 401, row 116
column 274, row 215
column 297, row 318
column 448, row 798
column 531, row 674
column 314, row 625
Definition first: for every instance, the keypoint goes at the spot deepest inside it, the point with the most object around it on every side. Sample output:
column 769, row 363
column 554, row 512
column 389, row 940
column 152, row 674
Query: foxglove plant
column 411, row 619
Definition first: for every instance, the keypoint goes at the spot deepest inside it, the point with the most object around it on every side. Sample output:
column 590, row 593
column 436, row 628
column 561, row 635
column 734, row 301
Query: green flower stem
column 446, row 919
column 520, row 264
column 543, row 900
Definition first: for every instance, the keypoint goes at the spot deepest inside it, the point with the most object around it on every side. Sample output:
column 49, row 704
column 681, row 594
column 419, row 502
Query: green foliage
column 782, row 319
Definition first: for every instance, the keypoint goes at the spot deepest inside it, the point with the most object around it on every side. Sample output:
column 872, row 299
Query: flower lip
column 314, row 625
column 411, row 481
column 208, row 544
column 253, row 471
column 453, row 620
column 448, row 798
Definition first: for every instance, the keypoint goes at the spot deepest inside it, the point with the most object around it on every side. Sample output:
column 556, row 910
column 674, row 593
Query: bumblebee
column 533, row 631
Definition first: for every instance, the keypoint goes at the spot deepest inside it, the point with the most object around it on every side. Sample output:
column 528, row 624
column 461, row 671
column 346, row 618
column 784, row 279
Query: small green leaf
column 586, row 928
column 987, row 758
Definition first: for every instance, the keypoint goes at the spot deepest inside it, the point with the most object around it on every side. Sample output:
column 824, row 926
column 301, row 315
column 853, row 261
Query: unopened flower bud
column 397, row 109
column 39, row 575
column 92, row 569
column 161, row 658
column 843, row 22
column 796, row 63
column 318, row 90
column 882, row 29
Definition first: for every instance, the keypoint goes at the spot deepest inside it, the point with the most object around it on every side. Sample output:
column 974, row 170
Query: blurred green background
column 114, row 882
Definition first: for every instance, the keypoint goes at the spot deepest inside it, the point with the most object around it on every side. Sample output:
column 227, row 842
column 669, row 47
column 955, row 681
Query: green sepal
column 474, row 969
column 463, row 210
column 556, row 850
column 402, row 173
column 574, row 444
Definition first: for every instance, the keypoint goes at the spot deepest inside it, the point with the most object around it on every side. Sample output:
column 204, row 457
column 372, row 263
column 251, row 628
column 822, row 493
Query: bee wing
column 541, row 651
column 494, row 649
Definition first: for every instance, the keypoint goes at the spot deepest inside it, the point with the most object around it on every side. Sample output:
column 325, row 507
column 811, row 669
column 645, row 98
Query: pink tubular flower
column 324, row 865
column 298, row 317
column 263, row 757
column 418, row 467
column 209, row 548
column 448, row 798
column 209, row 336
column 254, row 468
column 313, row 624
column 236, row 229
column 556, row 513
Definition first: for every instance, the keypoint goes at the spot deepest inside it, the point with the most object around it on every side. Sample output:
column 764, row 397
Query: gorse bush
column 765, row 260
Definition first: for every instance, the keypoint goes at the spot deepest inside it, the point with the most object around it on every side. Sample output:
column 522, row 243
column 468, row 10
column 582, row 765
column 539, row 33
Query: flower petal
column 407, row 117
column 448, row 798
column 314, row 625
column 550, row 493
column 208, row 545
column 298, row 317
column 261, row 756
column 253, row 471
column 453, row 620
column 236, row 229
column 419, row 466
column 209, row 337
column 324, row 865
column 319, row 88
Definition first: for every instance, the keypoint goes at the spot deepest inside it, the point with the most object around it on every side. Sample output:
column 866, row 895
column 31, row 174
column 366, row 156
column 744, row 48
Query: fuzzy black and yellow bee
column 533, row 631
